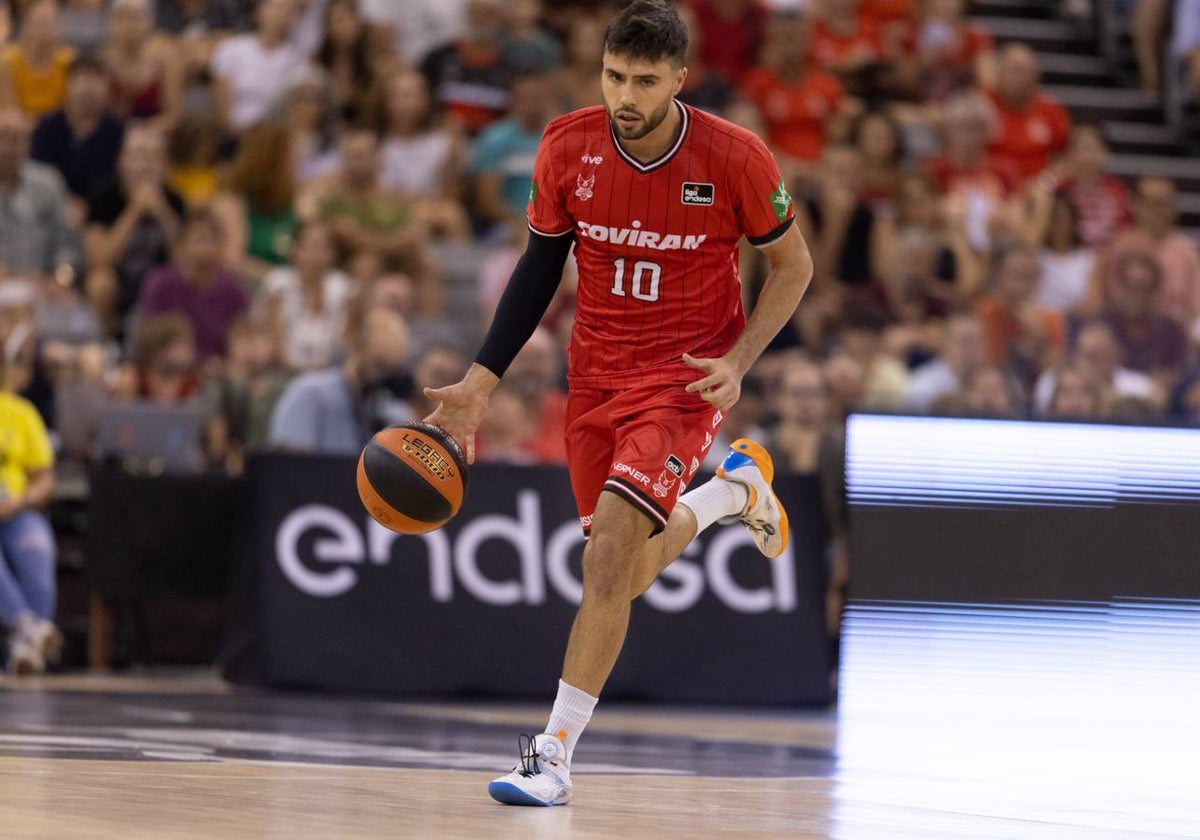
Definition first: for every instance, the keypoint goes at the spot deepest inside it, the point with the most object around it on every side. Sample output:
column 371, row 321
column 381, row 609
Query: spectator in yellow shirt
column 33, row 71
column 27, row 548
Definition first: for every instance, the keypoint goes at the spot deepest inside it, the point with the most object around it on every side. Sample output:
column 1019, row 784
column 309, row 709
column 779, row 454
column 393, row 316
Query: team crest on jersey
column 698, row 194
column 665, row 484
column 583, row 186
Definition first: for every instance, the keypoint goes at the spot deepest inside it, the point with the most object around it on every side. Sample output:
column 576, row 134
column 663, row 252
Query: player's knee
column 607, row 567
column 618, row 537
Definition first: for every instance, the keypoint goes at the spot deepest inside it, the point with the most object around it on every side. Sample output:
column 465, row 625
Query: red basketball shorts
column 644, row 444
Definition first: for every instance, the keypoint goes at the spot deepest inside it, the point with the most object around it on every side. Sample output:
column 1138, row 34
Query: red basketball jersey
column 655, row 243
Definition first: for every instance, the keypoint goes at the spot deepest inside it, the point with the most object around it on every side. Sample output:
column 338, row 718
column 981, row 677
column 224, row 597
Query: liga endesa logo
column 324, row 552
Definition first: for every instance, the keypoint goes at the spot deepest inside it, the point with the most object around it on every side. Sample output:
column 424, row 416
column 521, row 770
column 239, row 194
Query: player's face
column 638, row 93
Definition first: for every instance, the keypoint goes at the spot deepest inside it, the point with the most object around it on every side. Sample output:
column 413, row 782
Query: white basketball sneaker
column 24, row 658
column 542, row 777
column 48, row 639
column 764, row 517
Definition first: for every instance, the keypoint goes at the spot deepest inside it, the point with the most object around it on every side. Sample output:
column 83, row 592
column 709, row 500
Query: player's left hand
column 721, row 385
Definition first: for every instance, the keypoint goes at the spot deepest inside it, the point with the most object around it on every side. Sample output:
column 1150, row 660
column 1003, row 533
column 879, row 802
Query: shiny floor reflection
column 109, row 758
column 1081, row 720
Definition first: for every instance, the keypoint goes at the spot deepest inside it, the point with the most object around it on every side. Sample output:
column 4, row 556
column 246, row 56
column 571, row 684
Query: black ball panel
column 403, row 488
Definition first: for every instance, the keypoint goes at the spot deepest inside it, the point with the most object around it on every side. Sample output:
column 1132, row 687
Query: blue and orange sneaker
column 764, row 517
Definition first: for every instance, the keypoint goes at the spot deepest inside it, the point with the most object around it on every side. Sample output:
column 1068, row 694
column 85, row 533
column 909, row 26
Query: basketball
column 412, row 477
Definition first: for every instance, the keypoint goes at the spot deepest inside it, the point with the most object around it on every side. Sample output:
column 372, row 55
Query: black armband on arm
column 526, row 299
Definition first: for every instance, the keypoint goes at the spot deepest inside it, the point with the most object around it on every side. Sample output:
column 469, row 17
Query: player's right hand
column 722, row 386
column 461, row 406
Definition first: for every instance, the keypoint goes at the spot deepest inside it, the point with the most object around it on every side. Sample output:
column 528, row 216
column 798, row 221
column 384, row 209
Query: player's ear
column 680, row 75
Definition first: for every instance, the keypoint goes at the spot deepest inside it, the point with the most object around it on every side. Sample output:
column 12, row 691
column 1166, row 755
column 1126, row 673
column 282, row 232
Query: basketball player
column 655, row 196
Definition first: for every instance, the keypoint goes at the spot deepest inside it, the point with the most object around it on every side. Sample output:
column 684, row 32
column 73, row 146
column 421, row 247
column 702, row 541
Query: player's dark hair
column 650, row 30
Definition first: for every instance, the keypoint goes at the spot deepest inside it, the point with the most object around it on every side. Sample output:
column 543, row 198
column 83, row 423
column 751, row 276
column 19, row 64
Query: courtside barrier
column 482, row 607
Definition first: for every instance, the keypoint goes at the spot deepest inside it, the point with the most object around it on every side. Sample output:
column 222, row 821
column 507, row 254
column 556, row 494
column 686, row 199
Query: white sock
column 715, row 499
column 571, row 713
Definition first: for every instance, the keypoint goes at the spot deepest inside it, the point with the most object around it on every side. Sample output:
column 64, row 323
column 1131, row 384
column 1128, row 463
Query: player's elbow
column 804, row 266
column 793, row 268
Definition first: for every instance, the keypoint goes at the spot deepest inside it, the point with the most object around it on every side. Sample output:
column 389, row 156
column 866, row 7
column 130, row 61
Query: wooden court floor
column 186, row 757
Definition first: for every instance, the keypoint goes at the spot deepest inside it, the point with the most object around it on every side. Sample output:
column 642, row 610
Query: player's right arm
column 530, row 290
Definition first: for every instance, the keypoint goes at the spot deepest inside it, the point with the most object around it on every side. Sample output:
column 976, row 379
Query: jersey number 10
column 641, row 270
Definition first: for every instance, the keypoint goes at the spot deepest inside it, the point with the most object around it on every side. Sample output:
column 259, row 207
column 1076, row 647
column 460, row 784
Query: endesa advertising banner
column 483, row 606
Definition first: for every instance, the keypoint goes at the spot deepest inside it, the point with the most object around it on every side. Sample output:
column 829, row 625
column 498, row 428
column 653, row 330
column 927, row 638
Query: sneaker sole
column 509, row 794
column 762, row 459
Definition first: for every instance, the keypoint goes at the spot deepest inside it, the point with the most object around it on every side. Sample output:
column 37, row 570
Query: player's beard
column 647, row 125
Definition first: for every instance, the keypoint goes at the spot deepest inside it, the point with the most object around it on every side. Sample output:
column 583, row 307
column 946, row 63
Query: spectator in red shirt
column 507, row 433
column 1020, row 334
column 535, row 378
column 800, row 104
column 1031, row 129
column 965, row 163
column 882, row 13
column 731, row 33
column 703, row 88
column 843, row 40
column 1101, row 201
column 947, row 51
column 976, row 183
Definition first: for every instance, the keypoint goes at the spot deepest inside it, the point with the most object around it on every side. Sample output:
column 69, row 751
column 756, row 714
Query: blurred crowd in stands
column 291, row 215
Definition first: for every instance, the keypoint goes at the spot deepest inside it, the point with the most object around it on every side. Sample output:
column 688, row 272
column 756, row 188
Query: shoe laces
column 529, row 757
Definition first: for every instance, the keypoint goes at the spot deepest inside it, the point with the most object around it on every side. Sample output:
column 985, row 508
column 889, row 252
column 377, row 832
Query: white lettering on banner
column 437, row 544
column 524, row 532
column 688, row 578
column 782, row 594
column 346, row 546
column 558, row 559
column 679, row 588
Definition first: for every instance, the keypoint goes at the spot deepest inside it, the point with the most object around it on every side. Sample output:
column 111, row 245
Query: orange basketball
column 412, row 477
